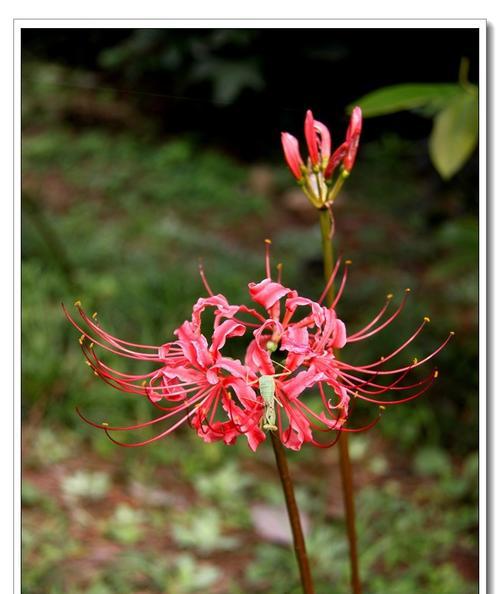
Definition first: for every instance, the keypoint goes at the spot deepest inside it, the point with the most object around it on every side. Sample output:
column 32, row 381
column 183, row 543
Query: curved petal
column 194, row 345
column 267, row 293
column 227, row 329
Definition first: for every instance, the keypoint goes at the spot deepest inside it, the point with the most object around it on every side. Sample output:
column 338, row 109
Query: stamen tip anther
column 347, row 262
column 452, row 333
column 94, row 315
column 381, row 407
column 427, row 319
column 77, row 303
column 407, row 290
column 415, row 360
column 81, row 339
column 390, row 296
column 436, row 373
column 105, row 424
column 268, row 241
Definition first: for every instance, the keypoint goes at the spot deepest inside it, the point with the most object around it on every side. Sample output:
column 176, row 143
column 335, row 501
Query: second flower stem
column 343, row 443
column 293, row 514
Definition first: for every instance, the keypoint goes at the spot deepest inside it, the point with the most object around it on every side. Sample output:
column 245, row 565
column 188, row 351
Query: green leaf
column 407, row 96
column 455, row 133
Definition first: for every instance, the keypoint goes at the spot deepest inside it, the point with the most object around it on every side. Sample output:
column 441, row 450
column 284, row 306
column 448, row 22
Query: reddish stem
column 299, row 544
column 343, row 443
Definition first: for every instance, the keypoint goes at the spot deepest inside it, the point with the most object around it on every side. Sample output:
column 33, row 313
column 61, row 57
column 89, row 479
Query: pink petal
column 227, row 329
column 267, row 293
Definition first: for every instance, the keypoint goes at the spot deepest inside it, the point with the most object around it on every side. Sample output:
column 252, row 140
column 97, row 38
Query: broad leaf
column 407, row 96
column 455, row 133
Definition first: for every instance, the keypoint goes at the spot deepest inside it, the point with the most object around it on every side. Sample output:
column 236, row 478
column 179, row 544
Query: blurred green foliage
column 453, row 107
column 119, row 219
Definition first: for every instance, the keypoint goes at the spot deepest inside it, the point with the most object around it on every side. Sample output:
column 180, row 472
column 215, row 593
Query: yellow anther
column 408, row 290
column 88, row 363
column 427, row 319
column 91, row 345
column 382, row 407
column 436, row 373
column 229, row 397
column 279, row 265
column 382, row 358
column 452, row 333
column 143, row 383
column 95, row 373
column 105, row 424
column 356, row 394
column 390, row 296
column 348, row 262
column 415, row 360
column 268, row 241
column 77, row 303
column 94, row 315
column 81, row 339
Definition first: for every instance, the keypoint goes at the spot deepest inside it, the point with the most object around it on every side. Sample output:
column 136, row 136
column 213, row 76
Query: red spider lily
column 316, row 176
column 193, row 381
column 309, row 334
column 219, row 396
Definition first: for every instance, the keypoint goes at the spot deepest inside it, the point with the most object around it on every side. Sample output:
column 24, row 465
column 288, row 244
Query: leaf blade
column 406, row 96
column 455, row 134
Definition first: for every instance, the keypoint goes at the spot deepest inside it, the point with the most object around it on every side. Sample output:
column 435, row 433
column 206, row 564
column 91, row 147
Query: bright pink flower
column 306, row 336
column 294, row 342
column 292, row 154
column 193, row 381
column 318, row 142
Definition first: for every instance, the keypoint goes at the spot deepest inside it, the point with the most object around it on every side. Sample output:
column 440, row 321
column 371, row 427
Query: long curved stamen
column 347, row 263
column 358, row 336
column 390, row 356
column 187, row 402
column 376, row 318
column 365, row 428
column 402, row 400
column 318, row 444
column 330, row 281
column 128, row 428
column 361, row 386
column 152, row 439
column 366, row 368
column 123, row 353
column 394, row 386
column 124, row 386
column 268, row 258
column 109, row 337
column 204, row 279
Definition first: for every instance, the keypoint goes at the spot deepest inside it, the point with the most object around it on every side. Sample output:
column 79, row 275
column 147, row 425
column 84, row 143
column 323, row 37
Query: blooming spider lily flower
column 316, row 177
column 308, row 392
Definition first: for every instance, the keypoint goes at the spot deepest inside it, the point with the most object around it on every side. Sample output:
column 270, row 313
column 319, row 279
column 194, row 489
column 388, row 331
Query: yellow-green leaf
column 406, row 96
column 455, row 133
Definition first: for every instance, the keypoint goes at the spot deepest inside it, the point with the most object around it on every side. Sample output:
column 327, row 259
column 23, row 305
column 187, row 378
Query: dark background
column 146, row 149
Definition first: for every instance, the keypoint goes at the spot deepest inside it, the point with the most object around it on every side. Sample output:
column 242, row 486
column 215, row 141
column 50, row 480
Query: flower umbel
column 290, row 380
column 316, row 176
